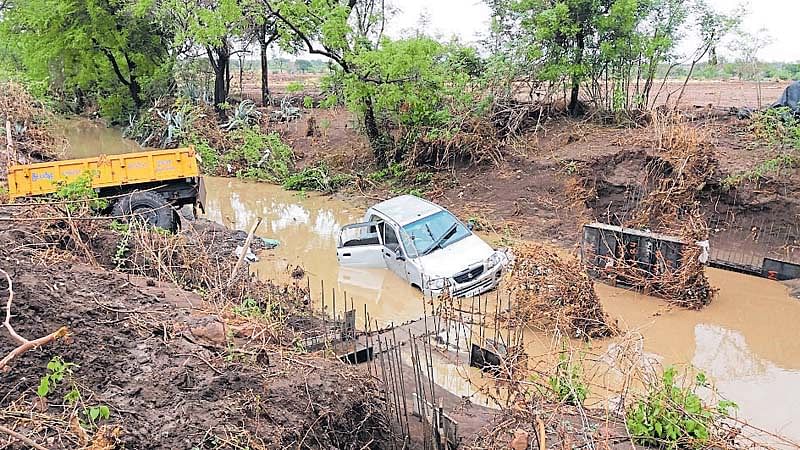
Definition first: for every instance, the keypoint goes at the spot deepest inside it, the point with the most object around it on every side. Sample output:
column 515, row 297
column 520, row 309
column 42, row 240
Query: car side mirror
column 401, row 258
column 470, row 226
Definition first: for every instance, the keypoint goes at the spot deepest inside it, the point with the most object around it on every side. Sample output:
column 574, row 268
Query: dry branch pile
column 555, row 293
column 474, row 140
column 28, row 124
column 673, row 183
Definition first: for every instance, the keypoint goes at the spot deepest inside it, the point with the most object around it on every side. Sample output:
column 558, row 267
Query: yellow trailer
column 158, row 181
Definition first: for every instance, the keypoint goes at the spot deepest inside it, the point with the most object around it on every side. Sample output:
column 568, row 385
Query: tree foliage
column 110, row 49
column 606, row 52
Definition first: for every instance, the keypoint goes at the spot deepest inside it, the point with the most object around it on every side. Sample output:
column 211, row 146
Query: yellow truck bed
column 107, row 171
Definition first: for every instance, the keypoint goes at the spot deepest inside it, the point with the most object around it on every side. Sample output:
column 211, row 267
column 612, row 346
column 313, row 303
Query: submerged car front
column 452, row 258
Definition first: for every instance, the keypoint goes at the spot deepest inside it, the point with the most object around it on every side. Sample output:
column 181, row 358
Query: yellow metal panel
column 107, row 171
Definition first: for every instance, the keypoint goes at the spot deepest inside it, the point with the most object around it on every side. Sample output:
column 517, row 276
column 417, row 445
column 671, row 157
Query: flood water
column 87, row 138
column 746, row 340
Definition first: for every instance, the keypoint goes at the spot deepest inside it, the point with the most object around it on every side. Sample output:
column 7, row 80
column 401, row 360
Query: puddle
column 746, row 340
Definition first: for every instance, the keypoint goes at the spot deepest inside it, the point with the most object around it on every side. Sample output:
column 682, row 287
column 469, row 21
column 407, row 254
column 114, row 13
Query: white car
column 425, row 245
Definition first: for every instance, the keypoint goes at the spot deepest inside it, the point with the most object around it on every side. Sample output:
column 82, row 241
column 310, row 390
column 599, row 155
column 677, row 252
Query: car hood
column 448, row 261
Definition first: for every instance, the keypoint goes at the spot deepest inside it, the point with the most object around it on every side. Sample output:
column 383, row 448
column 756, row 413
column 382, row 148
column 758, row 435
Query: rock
column 208, row 331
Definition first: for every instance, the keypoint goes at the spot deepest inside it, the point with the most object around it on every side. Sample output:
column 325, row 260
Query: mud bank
column 173, row 370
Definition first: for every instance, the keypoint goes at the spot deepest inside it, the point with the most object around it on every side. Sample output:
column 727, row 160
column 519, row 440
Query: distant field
column 718, row 94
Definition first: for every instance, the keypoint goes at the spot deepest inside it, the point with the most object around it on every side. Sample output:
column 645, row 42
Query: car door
column 359, row 245
column 393, row 255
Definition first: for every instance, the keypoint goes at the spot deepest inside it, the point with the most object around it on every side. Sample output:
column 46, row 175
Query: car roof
column 406, row 209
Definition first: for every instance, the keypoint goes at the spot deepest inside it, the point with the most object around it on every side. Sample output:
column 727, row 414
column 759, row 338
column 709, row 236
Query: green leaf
column 44, row 387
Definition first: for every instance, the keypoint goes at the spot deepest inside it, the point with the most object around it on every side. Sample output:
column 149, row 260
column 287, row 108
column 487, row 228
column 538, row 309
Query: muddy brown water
column 746, row 340
column 87, row 138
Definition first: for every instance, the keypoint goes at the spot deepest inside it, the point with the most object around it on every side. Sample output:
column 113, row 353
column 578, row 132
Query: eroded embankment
column 175, row 370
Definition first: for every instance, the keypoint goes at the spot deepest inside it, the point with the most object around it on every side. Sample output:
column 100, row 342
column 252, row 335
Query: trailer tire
column 148, row 205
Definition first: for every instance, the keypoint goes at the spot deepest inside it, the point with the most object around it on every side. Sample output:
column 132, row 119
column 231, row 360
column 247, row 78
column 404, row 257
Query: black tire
column 150, row 206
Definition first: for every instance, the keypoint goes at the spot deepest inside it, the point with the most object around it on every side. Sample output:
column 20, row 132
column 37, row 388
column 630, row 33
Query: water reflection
column 88, row 138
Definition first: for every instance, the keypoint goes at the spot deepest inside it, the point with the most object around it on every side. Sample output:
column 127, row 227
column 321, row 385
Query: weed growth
column 81, row 195
column 567, row 382
column 262, row 157
column 777, row 127
column 672, row 416
column 316, row 178
column 57, row 369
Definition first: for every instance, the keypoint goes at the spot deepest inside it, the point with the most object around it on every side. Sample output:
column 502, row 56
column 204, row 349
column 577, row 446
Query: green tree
column 611, row 49
column 94, row 46
column 338, row 30
column 210, row 26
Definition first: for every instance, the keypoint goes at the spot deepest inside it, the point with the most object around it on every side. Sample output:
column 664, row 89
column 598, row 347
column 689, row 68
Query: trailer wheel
column 149, row 206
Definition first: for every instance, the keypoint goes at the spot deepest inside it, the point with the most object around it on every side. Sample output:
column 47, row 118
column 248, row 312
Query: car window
column 426, row 232
column 390, row 240
column 358, row 234
column 408, row 244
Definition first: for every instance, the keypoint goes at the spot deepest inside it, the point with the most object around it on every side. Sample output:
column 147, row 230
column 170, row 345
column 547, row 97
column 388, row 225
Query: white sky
column 468, row 18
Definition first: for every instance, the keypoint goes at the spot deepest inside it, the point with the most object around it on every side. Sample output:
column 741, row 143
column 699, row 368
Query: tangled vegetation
column 32, row 136
column 554, row 293
column 779, row 129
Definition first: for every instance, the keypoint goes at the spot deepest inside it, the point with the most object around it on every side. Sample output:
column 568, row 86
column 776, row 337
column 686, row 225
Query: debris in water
column 555, row 293
column 249, row 256
column 269, row 244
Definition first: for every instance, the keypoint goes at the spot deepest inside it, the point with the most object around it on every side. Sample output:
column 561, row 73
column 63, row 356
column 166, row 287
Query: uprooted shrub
column 554, row 293
column 684, row 167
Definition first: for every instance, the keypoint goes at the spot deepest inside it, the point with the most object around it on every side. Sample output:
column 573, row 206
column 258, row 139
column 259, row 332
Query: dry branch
column 21, row 438
column 25, row 344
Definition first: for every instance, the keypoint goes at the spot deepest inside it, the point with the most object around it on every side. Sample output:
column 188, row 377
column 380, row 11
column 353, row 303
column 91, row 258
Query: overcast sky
column 468, row 18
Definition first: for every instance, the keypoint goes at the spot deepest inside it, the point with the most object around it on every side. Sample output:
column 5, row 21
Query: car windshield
column 437, row 230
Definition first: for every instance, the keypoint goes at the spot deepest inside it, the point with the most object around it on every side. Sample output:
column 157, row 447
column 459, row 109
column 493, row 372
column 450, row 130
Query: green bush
column 115, row 107
column 777, row 126
column 209, row 158
column 672, row 416
column 260, row 156
column 80, row 194
column 567, row 382
column 316, row 178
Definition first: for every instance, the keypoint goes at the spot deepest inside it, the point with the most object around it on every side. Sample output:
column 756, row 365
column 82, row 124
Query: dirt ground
column 571, row 172
column 174, row 370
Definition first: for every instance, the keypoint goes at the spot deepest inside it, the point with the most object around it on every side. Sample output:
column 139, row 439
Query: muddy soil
column 573, row 172
column 170, row 367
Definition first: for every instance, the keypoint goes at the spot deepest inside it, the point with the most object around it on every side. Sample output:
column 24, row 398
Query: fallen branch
column 25, row 344
column 245, row 248
column 20, row 437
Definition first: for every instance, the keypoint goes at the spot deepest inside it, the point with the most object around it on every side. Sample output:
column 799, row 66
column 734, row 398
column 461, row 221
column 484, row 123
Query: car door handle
column 346, row 255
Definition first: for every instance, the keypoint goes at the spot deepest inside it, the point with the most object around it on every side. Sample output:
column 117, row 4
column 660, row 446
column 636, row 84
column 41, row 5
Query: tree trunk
column 576, row 82
column 264, row 43
column 135, row 91
column 376, row 138
column 573, row 96
column 221, row 66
